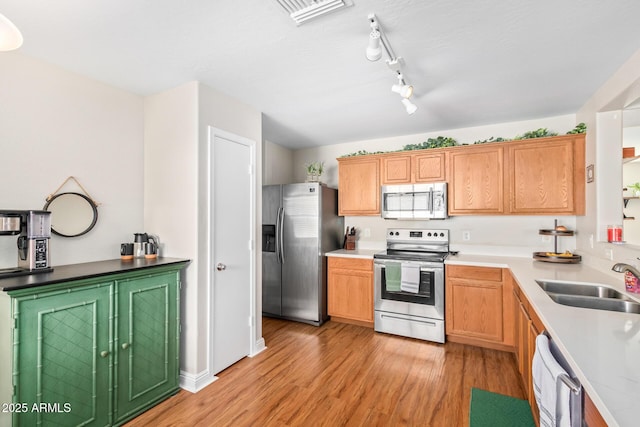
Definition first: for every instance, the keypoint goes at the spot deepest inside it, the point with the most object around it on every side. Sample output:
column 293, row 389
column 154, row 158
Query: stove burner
column 426, row 245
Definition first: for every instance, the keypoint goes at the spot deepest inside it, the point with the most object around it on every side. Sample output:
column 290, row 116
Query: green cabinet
column 62, row 357
column 95, row 352
column 146, row 342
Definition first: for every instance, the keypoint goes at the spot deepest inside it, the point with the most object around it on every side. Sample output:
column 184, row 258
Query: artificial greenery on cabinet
column 443, row 141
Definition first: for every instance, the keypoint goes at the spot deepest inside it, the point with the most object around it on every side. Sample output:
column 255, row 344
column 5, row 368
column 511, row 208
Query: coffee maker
column 34, row 231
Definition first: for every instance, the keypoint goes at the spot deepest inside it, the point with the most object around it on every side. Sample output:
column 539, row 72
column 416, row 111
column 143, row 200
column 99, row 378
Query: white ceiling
column 471, row 62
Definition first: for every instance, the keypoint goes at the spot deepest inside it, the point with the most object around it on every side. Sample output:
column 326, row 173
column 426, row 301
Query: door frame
column 212, row 133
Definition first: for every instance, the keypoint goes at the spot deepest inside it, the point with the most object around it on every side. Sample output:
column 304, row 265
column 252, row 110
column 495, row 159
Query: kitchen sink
column 589, row 296
column 569, row 288
column 624, row 306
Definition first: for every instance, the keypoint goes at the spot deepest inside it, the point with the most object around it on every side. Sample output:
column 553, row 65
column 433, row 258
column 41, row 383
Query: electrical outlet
column 366, row 232
column 466, row 235
column 591, row 240
column 608, row 253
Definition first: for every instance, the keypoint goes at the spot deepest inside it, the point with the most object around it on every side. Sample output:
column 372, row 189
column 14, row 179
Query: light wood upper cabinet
column 359, row 186
column 476, row 176
column 396, row 170
column 542, row 176
column 546, row 176
column 429, row 167
column 413, row 168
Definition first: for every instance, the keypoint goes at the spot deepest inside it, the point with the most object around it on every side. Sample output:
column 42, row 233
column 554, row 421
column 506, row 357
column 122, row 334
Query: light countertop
column 357, row 253
column 601, row 347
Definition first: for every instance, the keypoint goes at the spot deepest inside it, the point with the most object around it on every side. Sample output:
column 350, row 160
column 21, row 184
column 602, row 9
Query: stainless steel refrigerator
column 300, row 223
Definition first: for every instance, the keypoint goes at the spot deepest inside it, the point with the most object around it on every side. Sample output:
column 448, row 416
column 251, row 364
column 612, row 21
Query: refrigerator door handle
column 281, row 235
column 277, row 236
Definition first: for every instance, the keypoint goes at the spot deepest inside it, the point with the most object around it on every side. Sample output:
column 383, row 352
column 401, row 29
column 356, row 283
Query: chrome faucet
column 621, row 268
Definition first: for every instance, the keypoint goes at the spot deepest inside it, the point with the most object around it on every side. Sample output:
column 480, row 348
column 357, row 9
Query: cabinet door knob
column 125, row 346
column 104, row 353
column 221, row 266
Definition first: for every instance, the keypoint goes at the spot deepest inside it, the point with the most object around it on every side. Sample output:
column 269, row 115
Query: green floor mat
column 489, row 409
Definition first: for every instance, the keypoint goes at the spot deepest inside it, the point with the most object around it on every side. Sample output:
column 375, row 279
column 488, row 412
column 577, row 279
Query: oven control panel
column 414, row 235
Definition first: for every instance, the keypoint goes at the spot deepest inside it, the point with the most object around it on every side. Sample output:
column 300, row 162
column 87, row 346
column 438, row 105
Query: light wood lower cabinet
column 527, row 326
column 350, row 290
column 478, row 306
column 592, row 417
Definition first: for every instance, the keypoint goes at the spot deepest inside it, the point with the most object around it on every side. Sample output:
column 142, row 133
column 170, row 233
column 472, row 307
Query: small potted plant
column 635, row 187
column 314, row 171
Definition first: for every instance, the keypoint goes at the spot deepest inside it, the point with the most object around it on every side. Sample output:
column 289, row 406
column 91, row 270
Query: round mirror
column 72, row 214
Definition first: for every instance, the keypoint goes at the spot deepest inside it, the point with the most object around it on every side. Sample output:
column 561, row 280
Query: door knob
column 221, row 266
column 125, row 346
column 104, row 353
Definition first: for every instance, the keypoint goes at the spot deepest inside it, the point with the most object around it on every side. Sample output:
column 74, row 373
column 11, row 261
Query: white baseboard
column 195, row 383
column 258, row 347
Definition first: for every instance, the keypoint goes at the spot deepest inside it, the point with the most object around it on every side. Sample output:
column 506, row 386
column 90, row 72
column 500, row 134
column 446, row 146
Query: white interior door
column 232, row 267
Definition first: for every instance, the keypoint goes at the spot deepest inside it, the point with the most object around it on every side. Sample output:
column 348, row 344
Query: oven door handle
column 412, row 320
column 426, row 269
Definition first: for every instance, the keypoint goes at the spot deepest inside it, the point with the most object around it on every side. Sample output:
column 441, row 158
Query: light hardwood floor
column 342, row 375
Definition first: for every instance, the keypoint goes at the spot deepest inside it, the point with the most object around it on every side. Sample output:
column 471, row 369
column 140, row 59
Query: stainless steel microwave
column 414, row 201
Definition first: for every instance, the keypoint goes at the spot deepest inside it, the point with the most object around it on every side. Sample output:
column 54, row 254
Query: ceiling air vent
column 303, row 10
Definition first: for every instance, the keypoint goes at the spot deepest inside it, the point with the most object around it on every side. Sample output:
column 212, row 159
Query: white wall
column 500, row 235
column 603, row 115
column 176, row 199
column 277, row 164
column 55, row 124
column 170, row 199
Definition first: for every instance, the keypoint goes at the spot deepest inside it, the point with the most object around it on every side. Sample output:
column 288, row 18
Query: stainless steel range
column 409, row 284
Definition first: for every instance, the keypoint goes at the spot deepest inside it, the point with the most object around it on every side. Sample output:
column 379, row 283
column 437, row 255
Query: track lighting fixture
column 409, row 106
column 377, row 42
column 374, row 50
column 10, row 36
column 403, row 89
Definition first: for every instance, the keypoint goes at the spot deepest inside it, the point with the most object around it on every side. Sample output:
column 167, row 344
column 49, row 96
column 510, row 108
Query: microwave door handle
column 430, row 211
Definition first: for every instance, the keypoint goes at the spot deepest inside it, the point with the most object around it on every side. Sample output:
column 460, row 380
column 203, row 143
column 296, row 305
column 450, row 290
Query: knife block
column 350, row 243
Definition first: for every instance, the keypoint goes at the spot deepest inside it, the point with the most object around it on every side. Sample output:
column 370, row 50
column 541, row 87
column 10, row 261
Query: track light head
column 374, row 50
column 405, row 91
column 409, row 106
column 10, row 36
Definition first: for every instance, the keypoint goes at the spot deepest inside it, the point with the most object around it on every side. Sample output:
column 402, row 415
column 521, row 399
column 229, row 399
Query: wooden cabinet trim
column 474, row 273
column 350, row 263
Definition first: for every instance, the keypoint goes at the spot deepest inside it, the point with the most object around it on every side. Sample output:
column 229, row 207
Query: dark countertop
column 64, row 273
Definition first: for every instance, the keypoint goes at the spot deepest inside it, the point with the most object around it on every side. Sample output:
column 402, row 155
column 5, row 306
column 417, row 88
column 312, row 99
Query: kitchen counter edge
column 69, row 272
column 357, row 253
